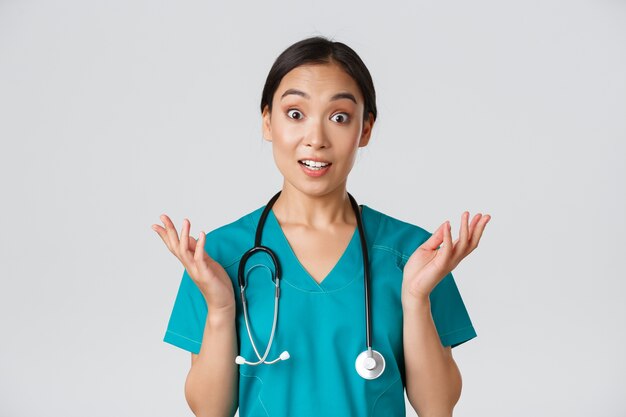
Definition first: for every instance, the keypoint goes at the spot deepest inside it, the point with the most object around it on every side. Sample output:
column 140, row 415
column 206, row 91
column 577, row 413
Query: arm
column 212, row 385
column 433, row 380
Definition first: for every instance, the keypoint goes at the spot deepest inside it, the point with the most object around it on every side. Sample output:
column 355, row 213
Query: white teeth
column 314, row 163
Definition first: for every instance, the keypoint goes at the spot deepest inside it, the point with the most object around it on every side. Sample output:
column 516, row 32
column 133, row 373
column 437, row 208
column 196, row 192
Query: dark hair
column 319, row 50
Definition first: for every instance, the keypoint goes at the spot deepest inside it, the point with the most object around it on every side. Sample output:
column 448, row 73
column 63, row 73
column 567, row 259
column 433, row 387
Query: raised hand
column 210, row 277
column 428, row 265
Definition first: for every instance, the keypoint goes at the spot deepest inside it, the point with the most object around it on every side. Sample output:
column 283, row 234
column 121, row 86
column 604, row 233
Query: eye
column 343, row 117
column 296, row 111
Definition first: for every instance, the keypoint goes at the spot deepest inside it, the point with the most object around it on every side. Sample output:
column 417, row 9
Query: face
column 317, row 113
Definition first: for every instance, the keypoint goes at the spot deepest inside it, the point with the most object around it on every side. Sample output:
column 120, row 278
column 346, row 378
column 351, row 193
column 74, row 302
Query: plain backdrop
column 113, row 112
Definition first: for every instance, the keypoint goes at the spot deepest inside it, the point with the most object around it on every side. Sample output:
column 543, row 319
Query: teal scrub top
column 322, row 326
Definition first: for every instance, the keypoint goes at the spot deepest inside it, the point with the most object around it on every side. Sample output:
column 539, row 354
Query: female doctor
column 353, row 306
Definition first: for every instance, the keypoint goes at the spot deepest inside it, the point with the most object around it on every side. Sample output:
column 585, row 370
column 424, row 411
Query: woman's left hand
column 427, row 266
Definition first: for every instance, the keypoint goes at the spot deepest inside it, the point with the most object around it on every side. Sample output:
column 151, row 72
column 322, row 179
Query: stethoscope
column 370, row 364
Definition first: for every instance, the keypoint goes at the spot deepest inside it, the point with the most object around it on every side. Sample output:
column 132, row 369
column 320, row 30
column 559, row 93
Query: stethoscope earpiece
column 240, row 360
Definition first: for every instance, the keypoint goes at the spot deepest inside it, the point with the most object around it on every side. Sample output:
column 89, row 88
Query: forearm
column 433, row 381
column 212, row 385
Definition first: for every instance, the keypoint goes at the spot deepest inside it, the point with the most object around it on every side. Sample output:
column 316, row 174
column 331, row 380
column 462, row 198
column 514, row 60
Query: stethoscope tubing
column 370, row 364
column 366, row 268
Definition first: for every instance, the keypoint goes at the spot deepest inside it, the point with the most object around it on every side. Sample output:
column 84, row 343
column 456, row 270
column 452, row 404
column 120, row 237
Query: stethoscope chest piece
column 370, row 366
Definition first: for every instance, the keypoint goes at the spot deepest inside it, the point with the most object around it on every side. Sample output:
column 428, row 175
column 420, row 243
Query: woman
column 318, row 107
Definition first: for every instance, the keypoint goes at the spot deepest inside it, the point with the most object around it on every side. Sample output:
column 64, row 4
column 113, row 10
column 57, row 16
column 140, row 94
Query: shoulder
column 398, row 235
column 228, row 242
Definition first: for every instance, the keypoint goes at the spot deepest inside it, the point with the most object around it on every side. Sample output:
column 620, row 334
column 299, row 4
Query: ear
column 368, row 125
column 266, row 126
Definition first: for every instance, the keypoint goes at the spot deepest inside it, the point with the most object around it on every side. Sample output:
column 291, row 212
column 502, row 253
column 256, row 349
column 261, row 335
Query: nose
column 315, row 134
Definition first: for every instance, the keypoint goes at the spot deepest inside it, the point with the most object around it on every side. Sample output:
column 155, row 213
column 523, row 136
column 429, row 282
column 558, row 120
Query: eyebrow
column 337, row 96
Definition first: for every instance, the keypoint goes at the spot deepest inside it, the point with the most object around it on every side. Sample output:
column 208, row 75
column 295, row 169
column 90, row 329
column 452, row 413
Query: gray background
column 115, row 112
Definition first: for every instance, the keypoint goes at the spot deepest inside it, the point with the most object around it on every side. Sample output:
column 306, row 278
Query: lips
column 300, row 161
column 323, row 162
column 314, row 171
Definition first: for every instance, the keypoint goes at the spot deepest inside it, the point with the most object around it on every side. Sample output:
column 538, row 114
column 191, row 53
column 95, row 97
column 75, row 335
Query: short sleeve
column 449, row 313
column 187, row 320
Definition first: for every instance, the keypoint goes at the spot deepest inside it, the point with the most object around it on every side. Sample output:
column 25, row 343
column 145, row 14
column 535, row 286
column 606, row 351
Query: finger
column 199, row 251
column 460, row 244
column 447, row 247
column 172, row 235
column 161, row 232
column 478, row 232
column 434, row 240
column 464, row 230
column 184, row 241
column 201, row 266
column 472, row 227
column 192, row 242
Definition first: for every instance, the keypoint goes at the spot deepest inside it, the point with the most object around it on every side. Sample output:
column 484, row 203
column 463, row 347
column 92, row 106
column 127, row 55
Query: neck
column 314, row 211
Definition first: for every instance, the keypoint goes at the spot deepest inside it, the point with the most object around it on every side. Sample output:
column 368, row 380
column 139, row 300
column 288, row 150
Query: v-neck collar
column 348, row 268
column 325, row 284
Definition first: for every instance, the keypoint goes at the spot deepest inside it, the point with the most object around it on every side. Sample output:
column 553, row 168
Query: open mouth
column 315, row 166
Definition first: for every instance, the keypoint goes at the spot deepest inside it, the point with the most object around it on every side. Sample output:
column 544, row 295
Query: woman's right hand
column 210, row 277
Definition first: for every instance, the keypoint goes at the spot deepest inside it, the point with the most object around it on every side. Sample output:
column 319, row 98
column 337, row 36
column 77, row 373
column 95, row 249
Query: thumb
column 435, row 239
